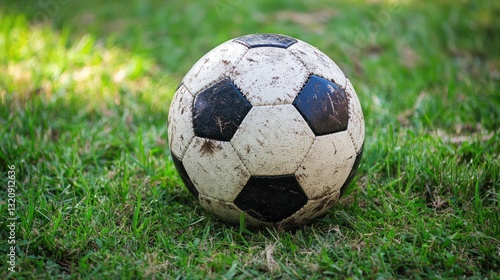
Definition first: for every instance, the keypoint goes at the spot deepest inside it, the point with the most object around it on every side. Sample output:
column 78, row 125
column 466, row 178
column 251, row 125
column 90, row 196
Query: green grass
column 84, row 93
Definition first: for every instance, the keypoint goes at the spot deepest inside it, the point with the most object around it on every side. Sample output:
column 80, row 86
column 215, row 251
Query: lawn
column 85, row 88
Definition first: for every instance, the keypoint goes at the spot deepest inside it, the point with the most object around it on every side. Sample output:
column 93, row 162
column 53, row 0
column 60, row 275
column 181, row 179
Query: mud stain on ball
column 208, row 148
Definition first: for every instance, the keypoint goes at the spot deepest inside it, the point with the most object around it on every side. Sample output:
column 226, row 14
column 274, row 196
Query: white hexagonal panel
column 180, row 121
column 317, row 62
column 269, row 76
column 356, row 126
column 214, row 66
column 313, row 209
column 215, row 168
column 273, row 140
column 327, row 165
column 227, row 211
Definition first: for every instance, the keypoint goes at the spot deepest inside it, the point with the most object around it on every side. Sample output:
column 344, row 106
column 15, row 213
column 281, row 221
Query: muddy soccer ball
column 268, row 127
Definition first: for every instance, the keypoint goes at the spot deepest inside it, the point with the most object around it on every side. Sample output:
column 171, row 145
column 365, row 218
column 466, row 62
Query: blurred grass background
column 84, row 94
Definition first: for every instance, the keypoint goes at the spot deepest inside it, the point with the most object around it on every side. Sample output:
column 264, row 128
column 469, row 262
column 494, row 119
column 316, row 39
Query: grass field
column 84, row 93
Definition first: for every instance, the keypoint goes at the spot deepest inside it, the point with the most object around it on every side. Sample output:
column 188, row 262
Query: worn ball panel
column 219, row 110
column 266, row 40
column 312, row 210
column 227, row 211
column 214, row 66
column 271, row 198
column 184, row 176
column 317, row 62
column 215, row 168
column 180, row 121
column 359, row 155
column 323, row 105
column 269, row 76
column 356, row 127
column 272, row 140
column 327, row 165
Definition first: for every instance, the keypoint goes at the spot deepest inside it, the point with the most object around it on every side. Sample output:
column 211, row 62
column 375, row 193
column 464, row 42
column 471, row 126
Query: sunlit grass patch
column 37, row 61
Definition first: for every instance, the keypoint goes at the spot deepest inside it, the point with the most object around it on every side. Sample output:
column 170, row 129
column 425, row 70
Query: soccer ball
column 266, row 126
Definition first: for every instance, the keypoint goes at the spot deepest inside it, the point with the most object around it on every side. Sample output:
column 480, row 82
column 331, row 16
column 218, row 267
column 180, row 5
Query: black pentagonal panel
column 323, row 105
column 219, row 110
column 353, row 171
column 184, row 176
column 266, row 40
column 271, row 198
